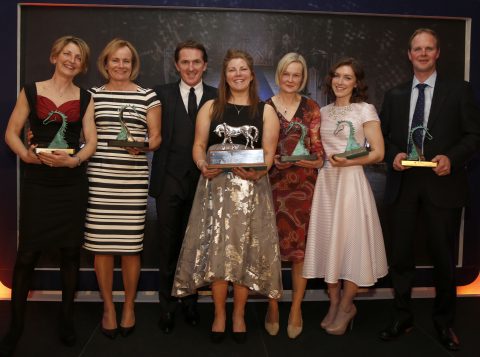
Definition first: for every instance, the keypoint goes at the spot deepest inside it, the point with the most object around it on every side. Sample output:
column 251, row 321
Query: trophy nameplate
column 69, row 151
column 300, row 152
column 354, row 153
column 415, row 157
column 228, row 155
column 58, row 142
column 353, row 148
column 125, row 137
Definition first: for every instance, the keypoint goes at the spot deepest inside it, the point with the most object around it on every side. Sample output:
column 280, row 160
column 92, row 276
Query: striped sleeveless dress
column 118, row 181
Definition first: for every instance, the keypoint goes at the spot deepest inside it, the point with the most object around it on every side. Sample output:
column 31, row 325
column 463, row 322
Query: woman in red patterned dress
column 293, row 183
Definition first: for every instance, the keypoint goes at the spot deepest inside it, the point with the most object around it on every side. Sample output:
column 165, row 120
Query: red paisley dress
column 293, row 188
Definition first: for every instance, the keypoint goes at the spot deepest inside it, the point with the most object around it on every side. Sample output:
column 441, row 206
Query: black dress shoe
column 191, row 316
column 239, row 337
column 395, row 330
column 166, row 322
column 126, row 331
column 8, row 344
column 217, row 337
column 448, row 338
column 67, row 333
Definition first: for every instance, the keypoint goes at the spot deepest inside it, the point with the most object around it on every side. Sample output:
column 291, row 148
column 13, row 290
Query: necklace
column 286, row 109
column 338, row 113
column 238, row 110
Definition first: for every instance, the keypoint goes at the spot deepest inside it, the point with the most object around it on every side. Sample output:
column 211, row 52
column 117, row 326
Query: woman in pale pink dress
column 345, row 239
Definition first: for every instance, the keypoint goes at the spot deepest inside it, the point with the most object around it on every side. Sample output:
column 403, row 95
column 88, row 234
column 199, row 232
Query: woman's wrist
column 78, row 161
column 200, row 163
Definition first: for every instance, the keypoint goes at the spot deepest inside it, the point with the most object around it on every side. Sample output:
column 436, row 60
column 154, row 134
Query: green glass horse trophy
column 415, row 157
column 228, row 154
column 125, row 137
column 300, row 152
column 353, row 148
column 58, row 143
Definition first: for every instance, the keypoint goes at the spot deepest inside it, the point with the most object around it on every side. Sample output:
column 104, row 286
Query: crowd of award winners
column 309, row 206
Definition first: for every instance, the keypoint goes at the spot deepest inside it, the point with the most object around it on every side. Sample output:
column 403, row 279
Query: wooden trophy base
column 69, row 151
column 295, row 158
column 352, row 154
column 125, row 143
column 228, row 159
column 418, row 163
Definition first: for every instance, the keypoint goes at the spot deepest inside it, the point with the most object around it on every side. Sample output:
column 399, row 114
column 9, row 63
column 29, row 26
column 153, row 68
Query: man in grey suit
column 174, row 175
column 447, row 109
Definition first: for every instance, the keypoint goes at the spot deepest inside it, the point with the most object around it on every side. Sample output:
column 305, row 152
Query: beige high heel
column 329, row 317
column 343, row 320
column 272, row 327
column 294, row 331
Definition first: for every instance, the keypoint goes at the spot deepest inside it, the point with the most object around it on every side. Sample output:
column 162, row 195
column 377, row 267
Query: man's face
column 191, row 65
column 423, row 53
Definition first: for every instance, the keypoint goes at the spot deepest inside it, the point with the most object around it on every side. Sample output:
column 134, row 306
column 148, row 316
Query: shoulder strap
column 84, row 100
column 31, row 93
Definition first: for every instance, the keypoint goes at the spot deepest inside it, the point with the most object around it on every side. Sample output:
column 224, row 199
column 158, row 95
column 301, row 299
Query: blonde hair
column 292, row 57
column 63, row 41
column 109, row 49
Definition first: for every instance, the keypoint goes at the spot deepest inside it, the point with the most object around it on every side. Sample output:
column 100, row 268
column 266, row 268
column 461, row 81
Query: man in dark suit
column 447, row 109
column 174, row 175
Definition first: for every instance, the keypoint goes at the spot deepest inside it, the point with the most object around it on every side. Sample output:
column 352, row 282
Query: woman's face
column 344, row 82
column 119, row 65
column 238, row 75
column 291, row 78
column 69, row 61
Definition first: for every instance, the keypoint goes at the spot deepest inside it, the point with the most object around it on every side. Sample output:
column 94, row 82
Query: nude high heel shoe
column 272, row 327
column 294, row 331
column 343, row 320
column 329, row 317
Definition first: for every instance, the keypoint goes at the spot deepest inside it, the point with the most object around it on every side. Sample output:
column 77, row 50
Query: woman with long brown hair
column 231, row 235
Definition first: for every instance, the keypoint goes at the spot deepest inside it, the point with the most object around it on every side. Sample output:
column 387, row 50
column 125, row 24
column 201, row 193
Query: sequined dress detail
column 231, row 233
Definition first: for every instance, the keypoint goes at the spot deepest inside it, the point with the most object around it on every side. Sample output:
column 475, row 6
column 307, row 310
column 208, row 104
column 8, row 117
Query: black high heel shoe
column 110, row 333
column 126, row 331
column 217, row 337
column 239, row 337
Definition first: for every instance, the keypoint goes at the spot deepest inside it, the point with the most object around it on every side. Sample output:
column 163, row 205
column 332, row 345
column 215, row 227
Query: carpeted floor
column 40, row 336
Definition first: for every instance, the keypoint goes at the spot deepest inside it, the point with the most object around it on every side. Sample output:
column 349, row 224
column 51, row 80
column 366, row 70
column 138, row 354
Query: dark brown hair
column 359, row 93
column 190, row 44
column 224, row 92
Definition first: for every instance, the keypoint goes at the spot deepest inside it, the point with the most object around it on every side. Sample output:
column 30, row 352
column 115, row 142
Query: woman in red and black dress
column 54, row 185
column 293, row 183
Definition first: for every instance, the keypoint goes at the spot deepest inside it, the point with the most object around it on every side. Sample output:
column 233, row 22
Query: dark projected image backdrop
column 379, row 42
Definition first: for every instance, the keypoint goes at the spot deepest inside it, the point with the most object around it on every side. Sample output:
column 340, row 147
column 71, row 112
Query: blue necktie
column 419, row 114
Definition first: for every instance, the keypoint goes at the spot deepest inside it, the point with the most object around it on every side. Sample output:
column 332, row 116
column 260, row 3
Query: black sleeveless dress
column 53, row 200
column 231, row 234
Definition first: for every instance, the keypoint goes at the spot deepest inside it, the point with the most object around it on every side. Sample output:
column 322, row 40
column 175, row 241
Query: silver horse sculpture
column 250, row 133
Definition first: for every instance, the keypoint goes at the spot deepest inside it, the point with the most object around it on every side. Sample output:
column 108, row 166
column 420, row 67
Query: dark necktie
column 192, row 104
column 418, row 115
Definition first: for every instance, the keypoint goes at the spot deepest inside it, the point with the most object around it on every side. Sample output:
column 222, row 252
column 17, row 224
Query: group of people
column 236, row 226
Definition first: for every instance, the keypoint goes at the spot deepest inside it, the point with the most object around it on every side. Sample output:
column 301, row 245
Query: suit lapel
column 404, row 110
column 439, row 95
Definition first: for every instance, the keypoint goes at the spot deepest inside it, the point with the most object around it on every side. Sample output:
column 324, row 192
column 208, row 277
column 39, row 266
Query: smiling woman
column 54, row 183
column 118, row 178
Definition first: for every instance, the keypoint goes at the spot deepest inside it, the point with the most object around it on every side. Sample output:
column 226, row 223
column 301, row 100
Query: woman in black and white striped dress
column 118, row 178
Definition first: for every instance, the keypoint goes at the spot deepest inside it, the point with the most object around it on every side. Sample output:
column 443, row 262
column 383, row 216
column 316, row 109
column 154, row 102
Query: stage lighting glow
column 5, row 292
column 470, row 289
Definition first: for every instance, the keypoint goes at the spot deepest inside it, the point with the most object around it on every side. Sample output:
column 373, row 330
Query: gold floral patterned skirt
column 231, row 235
